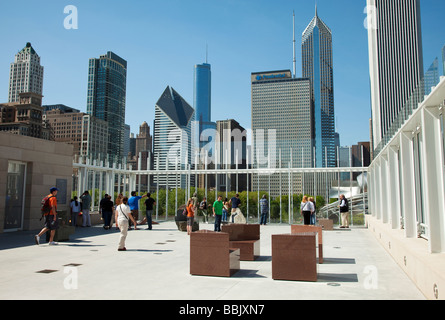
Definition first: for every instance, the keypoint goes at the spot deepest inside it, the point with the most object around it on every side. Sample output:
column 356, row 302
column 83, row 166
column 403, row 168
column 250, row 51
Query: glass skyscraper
column 318, row 67
column 202, row 101
column 107, row 81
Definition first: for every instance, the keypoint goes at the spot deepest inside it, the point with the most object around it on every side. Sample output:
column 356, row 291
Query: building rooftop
column 156, row 267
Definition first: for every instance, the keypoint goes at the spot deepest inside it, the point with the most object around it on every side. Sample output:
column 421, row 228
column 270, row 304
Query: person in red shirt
column 190, row 216
column 50, row 219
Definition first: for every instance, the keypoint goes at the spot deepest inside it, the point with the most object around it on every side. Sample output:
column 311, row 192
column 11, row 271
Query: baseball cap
column 53, row 189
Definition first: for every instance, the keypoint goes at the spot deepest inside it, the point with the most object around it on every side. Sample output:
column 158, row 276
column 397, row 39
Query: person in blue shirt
column 133, row 202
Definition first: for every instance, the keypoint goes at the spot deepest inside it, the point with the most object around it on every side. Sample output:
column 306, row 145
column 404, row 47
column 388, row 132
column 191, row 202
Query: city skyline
column 260, row 41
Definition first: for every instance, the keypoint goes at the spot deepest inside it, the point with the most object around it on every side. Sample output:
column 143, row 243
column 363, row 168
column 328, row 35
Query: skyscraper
column 282, row 123
column 318, row 67
column 202, row 101
column 172, row 138
column 26, row 74
column 431, row 78
column 395, row 59
column 443, row 60
column 107, row 81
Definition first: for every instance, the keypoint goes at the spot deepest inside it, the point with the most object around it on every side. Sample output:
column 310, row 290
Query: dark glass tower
column 318, row 67
column 202, row 101
column 107, row 81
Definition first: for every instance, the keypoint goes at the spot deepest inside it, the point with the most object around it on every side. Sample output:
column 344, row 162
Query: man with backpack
column 344, row 211
column 49, row 212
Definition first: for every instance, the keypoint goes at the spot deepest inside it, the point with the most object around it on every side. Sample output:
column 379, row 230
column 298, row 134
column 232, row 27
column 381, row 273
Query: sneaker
column 52, row 243
column 37, row 239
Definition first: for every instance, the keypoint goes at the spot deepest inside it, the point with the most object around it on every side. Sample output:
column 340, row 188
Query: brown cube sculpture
column 211, row 255
column 305, row 228
column 294, row 257
column 246, row 237
column 240, row 232
column 326, row 224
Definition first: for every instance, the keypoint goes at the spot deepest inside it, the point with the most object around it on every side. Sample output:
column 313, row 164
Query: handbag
column 123, row 213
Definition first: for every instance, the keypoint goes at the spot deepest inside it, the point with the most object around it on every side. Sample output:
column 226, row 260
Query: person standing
column 344, row 211
column 217, row 213
column 75, row 207
column 264, row 206
column 50, row 213
column 133, row 202
column 149, row 203
column 225, row 209
column 86, row 206
column 203, row 208
column 190, row 216
column 235, row 201
column 123, row 217
column 313, row 213
column 306, row 210
column 107, row 212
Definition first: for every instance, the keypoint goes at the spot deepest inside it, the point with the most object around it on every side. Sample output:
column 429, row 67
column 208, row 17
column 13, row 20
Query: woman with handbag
column 122, row 217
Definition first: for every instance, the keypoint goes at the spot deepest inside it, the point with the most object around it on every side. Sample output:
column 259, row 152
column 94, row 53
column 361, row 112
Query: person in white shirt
column 75, row 210
column 122, row 217
column 306, row 208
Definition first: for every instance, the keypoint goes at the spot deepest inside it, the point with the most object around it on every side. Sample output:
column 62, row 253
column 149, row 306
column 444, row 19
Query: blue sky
column 162, row 40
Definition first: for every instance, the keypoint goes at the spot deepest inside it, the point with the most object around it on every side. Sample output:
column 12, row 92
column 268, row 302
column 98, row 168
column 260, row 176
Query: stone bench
column 211, row 254
column 309, row 228
column 246, row 237
column 294, row 257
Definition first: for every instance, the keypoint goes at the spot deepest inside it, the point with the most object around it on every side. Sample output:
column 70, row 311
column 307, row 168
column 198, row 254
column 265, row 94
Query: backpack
column 45, row 206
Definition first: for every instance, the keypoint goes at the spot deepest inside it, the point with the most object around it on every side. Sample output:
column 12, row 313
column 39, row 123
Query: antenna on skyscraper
column 295, row 57
column 207, row 53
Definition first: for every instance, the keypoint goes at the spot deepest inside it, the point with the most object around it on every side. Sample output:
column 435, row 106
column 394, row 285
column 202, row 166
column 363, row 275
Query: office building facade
column 317, row 65
column 232, row 154
column 26, row 74
column 25, row 117
column 107, row 81
column 87, row 134
column 396, row 61
column 282, row 127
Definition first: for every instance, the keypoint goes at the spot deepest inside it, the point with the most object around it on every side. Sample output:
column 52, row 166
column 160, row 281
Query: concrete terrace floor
column 156, row 267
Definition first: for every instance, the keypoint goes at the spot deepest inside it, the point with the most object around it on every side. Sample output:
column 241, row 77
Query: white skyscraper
column 172, row 140
column 396, row 60
column 26, row 74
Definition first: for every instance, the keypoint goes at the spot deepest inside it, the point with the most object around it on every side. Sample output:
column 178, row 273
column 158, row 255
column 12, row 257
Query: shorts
column 190, row 221
column 50, row 223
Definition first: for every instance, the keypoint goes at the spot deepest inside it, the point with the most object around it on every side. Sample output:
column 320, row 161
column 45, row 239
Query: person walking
column 149, row 203
column 117, row 203
column 217, row 213
column 86, row 206
column 264, row 205
column 75, row 207
column 344, row 211
column 133, row 202
column 49, row 211
column 123, row 217
column 306, row 208
column 190, row 216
